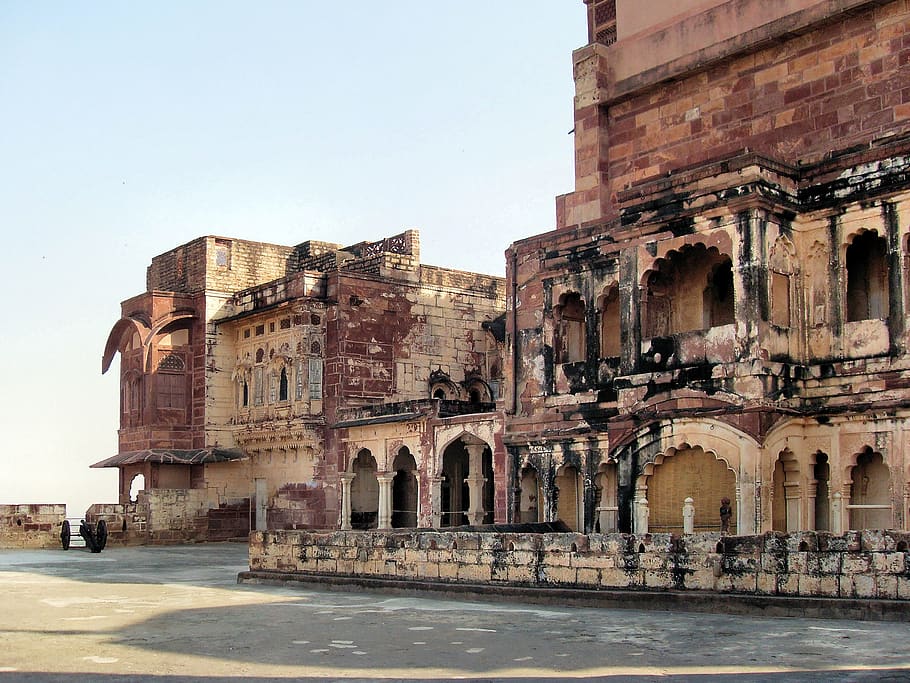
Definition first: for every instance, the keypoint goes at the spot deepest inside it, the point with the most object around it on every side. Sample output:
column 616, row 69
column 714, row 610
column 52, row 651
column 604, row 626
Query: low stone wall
column 31, row 526
column 172, row 517
column 867, row 564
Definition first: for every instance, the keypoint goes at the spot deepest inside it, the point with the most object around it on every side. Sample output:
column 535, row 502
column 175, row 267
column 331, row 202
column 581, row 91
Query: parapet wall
column 31, row 526
column 867, row 564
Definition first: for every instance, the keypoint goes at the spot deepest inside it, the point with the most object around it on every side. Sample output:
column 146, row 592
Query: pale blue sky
column 129, row 128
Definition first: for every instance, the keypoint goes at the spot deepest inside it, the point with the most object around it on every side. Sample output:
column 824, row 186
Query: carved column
column 346, row 479
column 385, row 499
column 837, row 513
column 475, row 481
column 436, row 502
column 641, row 512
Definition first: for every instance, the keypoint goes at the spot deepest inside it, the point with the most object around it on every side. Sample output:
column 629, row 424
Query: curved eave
column 116, row 337
column 173, row 456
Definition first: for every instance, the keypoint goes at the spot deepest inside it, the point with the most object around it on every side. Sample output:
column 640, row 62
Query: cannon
column 93, row 539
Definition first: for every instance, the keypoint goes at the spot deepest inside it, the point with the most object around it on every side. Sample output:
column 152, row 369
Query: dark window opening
column 867, row 278
column 283, row 385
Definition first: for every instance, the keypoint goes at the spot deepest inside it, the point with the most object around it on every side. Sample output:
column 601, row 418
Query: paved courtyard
column 177, row 614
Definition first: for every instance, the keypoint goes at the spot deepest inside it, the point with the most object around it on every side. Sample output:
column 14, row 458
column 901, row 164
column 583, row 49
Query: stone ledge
column 688, row 601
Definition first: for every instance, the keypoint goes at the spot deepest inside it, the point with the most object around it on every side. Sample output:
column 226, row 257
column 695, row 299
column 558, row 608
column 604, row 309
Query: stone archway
column 364, row 492
column 466, row 488
column 529, row 496
column 688, row 472
column 404, row 490
column 638, row 456
column 870, row 492
column 821, row 470
column 567, row 501
column 605, row 483
column 786, row 503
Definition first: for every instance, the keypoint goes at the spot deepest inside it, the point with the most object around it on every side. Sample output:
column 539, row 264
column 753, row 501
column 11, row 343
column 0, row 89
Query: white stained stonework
column 871, row 565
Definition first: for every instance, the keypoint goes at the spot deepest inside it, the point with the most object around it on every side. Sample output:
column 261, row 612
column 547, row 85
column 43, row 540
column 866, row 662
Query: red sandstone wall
column 31, row 526
column 798, row 99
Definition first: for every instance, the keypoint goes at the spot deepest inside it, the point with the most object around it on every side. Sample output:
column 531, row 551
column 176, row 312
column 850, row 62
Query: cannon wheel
column 101, row 534
column 65, row 534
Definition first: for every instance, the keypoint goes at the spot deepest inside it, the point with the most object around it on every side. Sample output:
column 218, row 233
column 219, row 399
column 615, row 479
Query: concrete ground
column 177, row 614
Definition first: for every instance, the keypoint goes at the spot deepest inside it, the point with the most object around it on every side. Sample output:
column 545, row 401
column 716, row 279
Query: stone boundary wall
column 171, row 517
column 31, row 526
column 858, row 564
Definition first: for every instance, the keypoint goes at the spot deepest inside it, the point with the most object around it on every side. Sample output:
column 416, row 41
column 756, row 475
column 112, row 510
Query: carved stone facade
column 313, row 386
column 721, row 310
column 719, row 314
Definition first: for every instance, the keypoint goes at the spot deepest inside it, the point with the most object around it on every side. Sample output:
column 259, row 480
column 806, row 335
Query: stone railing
column 31, row 526
column 867, row 564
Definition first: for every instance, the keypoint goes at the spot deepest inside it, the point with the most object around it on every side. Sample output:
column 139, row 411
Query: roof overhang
column 173, row 456
column 379, row 419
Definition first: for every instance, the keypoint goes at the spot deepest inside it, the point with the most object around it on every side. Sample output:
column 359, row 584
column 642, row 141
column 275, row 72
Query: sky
column 127, row 129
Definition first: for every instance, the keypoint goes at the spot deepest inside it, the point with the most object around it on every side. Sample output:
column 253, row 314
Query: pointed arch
column 570, row 318
column 648, row 446
column 687, row 290
column 608, row 309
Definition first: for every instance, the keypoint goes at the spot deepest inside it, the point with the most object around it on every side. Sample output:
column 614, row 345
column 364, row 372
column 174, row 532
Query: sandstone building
column 308, row 386
column 720, row 312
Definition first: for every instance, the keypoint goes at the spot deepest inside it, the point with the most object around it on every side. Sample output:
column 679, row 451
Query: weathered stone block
column 888, row 563
column 555, row 559
column 447, row 570
column 788, row 584
column 558, row 574
column 875, row 540
column 700, row 578
column 857, row 563
column 467, row 540
column 903, row 587
column 766, row 583
column 744, row 583
column 653, row 561
column 474, row 573
column 618, row 578
column 521, row 574
column 886, row 587
column 587, row 577
column 593, row 561
column 863, row 586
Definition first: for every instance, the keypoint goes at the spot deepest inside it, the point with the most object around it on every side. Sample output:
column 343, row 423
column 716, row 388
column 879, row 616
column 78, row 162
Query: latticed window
column 258, row 388
column 273, row 387
column 171, row 363
column 298, row 380
column 171, row 382
column 315, row 384
column 171, row 391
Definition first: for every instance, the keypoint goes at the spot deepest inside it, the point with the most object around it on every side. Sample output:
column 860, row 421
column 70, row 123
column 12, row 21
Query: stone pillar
column 385, row 499
column 346, row 479
column 793, row 503
column 741, row 524
column 837, row 513
column 688, row 513
column 642, row 512
column 436, row 502
column 811, row 493
column 475, row 481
